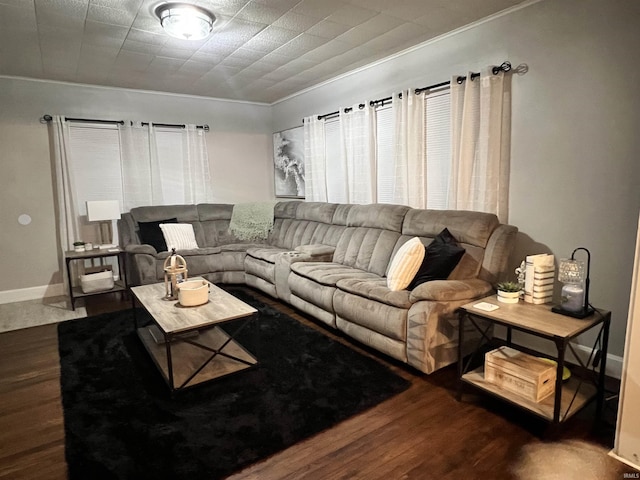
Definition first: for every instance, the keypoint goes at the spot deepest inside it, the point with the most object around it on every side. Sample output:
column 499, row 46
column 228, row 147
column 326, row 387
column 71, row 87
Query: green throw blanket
column 252, row 221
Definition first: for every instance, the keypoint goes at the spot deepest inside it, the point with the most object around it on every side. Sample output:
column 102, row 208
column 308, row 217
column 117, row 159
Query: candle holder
column 574, row 300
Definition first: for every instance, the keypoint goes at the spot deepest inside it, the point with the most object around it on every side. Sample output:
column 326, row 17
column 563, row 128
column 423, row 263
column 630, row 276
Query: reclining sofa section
column 331, row 260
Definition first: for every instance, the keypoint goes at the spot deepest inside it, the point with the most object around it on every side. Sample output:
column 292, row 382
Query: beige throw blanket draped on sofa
column 252, row 221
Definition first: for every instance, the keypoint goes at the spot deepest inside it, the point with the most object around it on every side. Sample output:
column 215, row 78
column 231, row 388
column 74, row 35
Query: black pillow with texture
column 441, row 257
column 151, row 234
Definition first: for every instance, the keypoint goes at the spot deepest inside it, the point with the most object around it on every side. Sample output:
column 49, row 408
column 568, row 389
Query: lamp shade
column 101, row 210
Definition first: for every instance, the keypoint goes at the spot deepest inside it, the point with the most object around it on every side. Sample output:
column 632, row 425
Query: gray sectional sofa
column 331, row 260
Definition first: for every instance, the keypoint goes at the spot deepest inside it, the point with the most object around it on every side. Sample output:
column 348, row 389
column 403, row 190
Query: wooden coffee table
column 187, row 344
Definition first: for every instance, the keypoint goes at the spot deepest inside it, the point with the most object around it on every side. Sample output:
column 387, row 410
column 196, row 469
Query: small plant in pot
column 78, row 246
column 508, row 292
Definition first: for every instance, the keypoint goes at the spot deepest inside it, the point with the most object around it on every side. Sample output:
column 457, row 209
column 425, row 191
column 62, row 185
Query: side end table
column 119, row 286
column 538, row 320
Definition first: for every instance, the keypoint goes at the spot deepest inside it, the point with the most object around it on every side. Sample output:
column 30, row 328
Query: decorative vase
column 508, row 297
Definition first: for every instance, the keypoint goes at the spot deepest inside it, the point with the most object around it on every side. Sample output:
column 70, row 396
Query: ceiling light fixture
column 185, row 21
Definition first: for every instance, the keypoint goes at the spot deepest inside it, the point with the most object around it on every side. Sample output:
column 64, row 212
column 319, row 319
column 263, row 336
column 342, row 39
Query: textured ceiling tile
column 370, row 29
column 167, row 51
column 440, row 20
column 232, row 61
column 164, row 64
column 352, row 15
column 133, row 60
column 327, row 51
column 296, row 21
column 261, row 45
column 261, row 13
column 71, row 8
column 17, row 18
column 49, row 33
column 327, row 29
column 237, row 32
column 207, row 57
column 146, row 37
column 318, row 8
column 214, row 48
column 300, row 45
column 148, row 23
column 61, row 21
column 223, row 7
column 128, row 5
column 276, row 35
column 192, row 66
column 378, row 5
column 112, row 16
column 141, row 47
column 282, row 4
column 105, row 32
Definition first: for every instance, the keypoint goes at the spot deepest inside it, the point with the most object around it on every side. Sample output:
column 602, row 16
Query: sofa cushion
column 441, row 257
column 405, row 264
column 151, row 234
column 179, row 236
column 375, row 289
column 267, row 254
column 328, row 273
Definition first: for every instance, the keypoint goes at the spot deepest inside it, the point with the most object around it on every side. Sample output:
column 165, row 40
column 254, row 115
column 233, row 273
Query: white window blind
column 336, row 170
column 438, row 144
column 95, row 155
column 384, row 154
column 170, row 156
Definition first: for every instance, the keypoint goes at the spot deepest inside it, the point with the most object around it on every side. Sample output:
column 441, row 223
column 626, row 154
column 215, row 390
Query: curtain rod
column 504, row 67
column 48, row 118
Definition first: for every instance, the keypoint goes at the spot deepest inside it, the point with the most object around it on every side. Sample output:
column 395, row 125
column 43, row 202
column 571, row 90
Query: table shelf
column 584, row 393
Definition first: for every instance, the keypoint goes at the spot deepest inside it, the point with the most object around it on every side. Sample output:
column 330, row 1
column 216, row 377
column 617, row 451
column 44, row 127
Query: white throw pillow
column 179, row 236
column 405, row 264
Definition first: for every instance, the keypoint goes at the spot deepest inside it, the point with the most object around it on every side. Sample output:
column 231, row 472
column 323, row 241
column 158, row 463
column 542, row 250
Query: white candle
column 572, row 297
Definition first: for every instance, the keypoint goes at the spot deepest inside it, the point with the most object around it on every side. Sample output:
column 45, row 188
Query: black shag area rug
column 121, row 422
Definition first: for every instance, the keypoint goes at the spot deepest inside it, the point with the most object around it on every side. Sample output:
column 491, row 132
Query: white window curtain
column 409, row 156
column 68, row 226
column 481, row 140
column 358, row 152
column 141, row 179
column 195, row 162
column 163, row 166
column 315, row 161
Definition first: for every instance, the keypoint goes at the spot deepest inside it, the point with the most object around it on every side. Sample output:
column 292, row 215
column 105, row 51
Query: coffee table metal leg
column 167, row 344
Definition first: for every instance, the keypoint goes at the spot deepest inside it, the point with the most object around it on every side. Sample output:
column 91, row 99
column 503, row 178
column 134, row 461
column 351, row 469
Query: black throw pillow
column 441, row 257
column 151, row 234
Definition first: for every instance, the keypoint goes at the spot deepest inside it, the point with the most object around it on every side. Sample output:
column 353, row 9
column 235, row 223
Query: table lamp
column 104, row 211
column 574, row 300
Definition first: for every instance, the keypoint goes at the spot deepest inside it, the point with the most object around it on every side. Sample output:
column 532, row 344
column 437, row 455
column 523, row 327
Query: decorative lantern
column 175, row 271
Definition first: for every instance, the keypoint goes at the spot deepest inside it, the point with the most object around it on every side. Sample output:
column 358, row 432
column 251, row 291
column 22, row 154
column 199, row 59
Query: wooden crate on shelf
column 520, row 373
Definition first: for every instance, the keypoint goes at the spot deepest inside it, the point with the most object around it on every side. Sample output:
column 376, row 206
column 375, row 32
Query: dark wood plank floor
column 422, row 433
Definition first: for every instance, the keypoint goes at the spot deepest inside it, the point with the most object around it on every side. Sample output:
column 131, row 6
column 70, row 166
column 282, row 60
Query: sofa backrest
column 371, row 234
column 487, row 242
column 304, row 223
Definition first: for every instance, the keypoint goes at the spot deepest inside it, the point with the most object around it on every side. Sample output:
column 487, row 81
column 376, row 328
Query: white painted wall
column 239, row 141
column 575, row 158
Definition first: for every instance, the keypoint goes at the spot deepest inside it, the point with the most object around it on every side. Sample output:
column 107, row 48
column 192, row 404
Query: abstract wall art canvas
column 288, row 157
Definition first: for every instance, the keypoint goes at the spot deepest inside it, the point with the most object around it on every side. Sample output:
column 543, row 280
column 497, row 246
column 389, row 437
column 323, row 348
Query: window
column 438, row 150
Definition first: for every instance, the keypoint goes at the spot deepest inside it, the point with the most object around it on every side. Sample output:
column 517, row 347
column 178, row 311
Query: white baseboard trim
column 614, row 362
column 613, row 454
column 31, row 293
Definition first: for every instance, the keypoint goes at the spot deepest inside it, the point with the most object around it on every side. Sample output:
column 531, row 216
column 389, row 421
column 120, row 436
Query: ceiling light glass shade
column 185, row 21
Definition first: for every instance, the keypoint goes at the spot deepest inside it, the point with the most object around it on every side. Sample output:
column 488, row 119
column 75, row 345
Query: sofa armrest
column 316, row 250
column 449, row 290
column 133, row 248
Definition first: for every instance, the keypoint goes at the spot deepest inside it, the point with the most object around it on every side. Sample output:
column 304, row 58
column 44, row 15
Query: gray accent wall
column 575, row 148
